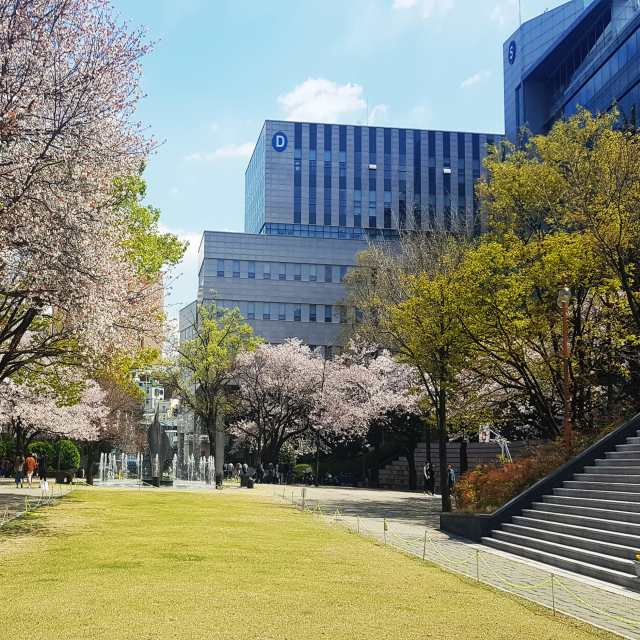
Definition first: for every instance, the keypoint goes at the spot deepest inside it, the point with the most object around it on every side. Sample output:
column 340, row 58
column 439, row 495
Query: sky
column 220, row 68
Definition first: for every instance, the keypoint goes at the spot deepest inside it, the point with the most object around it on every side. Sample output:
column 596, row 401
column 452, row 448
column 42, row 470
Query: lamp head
column 564, row 295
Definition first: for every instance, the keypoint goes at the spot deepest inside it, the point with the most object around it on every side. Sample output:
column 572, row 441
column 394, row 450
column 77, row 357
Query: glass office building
column 353, row 182
column 585, row 52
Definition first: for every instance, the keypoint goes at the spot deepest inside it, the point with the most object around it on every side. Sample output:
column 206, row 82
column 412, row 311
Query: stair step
column 602, row 514
column 569, row 551
column 606, row 477
column 622, row 455
column 609, row 575
column 614, row 467
column 572, row 540
column 602, row 486
column 592, row 522
column 593, row 503
column 608, row 494
column 580, row 530
column 628, row 447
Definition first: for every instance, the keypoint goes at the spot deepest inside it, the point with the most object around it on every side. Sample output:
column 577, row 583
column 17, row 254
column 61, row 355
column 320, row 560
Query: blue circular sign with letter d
column 279, row 141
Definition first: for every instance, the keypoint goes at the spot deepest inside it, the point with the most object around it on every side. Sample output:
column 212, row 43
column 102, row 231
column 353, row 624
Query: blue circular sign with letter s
column 279, row 141
column 512, row 52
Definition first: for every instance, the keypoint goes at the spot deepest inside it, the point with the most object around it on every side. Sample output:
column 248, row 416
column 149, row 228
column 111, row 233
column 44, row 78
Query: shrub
column 40, row 448
column 287, row 454
column 486, row 488
column 69, row 455
column 299, row 469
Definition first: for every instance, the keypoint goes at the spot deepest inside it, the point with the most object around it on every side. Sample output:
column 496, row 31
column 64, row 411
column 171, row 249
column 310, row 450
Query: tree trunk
column 91, row 460
column 19, row 437
column 375, row 475
column 464, row 461
column 442, row 443
column 410, row 452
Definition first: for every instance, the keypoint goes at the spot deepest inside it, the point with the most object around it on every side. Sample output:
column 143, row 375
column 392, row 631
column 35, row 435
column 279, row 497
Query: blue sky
column 222, row 67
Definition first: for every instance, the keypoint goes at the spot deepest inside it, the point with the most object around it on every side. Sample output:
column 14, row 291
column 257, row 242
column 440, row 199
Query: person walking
column 432, row 479
column 43, row 465
column 425, row 472
column 451, row 476
column 245, row 468
column 19, row 469
column 30, row 463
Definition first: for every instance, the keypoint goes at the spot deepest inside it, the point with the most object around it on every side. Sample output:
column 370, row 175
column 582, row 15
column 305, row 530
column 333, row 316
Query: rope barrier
column 634, row 623
column 477, row 556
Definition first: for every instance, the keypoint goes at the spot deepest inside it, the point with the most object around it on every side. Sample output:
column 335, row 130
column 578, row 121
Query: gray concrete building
column 314, row 195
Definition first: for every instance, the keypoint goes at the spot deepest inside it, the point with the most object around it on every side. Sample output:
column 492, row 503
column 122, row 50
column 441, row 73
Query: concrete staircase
column 589, row 526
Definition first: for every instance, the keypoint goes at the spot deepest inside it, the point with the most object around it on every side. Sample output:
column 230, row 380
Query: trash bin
column 155, row 481
column 62, row 477
column 250, row 483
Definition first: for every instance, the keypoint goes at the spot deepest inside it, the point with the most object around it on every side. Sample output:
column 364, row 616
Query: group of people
column 429, row 473
column 273, row 474
column 25, row 466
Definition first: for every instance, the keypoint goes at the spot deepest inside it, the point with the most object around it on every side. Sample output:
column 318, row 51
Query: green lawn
column 123, row 564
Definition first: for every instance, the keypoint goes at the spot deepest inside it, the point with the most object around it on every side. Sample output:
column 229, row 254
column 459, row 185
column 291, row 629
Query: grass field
column 123, row 564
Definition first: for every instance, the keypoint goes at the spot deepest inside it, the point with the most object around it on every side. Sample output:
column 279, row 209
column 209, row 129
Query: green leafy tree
column 66, row 455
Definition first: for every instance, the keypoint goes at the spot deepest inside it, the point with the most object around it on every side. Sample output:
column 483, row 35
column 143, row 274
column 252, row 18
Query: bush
column 287, row 454
column 299, row 469
column 69, row 456
column 40, row 448
column 486, row 488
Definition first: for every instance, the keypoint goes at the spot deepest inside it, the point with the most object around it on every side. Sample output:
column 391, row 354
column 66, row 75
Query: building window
column 342, row 180
column 327, row 174
column 328, row 273
column 297, row 174
column 313, row 273
column 417, row 179
column 328, row 313
column 431, row 137
column 251, row 310
column 312, row 313
column 252, row 269
column 313, row 144
column 357, row 176
column 266, row 274
column 297, row 312
column 283, row 271
column 327, row 352
column 221, row 268
column 266, row 311
column 343, row 273
column 236, row 268
column 282, row 311
column 297, row 272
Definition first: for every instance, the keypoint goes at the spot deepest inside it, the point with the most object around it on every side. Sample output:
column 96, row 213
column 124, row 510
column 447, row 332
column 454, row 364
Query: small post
column 385, row 530
column 553, row 595
column 477, row 565
column 358, row 520
column 424, row 549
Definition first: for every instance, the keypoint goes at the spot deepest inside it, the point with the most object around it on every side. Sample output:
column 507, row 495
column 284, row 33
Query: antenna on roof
column 520, row 11
column 367, row 111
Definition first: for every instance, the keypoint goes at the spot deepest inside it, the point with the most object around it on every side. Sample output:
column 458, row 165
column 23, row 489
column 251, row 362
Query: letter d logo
column 279, row 141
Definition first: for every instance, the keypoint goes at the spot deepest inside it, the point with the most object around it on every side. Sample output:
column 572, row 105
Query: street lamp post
column 564, row 296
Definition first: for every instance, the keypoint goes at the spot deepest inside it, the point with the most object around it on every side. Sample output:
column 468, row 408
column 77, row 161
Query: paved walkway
column 12, row 500
column 413, row 515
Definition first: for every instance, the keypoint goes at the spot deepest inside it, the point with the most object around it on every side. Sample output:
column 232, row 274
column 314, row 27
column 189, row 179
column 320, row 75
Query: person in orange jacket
column 30, row 463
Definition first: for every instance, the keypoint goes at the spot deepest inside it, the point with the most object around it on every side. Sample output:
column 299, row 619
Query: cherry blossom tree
column 30, row 414
column 279, row 388
column 69, row 85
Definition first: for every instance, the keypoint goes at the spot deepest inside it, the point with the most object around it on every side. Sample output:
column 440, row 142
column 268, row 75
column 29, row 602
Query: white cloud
column 193, row 156
column 471, row 81
column 379, row 111
column 426, row 7
column 320, row 100
column 174, row 191
column 191, row 254
column 215, row 126
column 233, row 151
column 505, row 11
